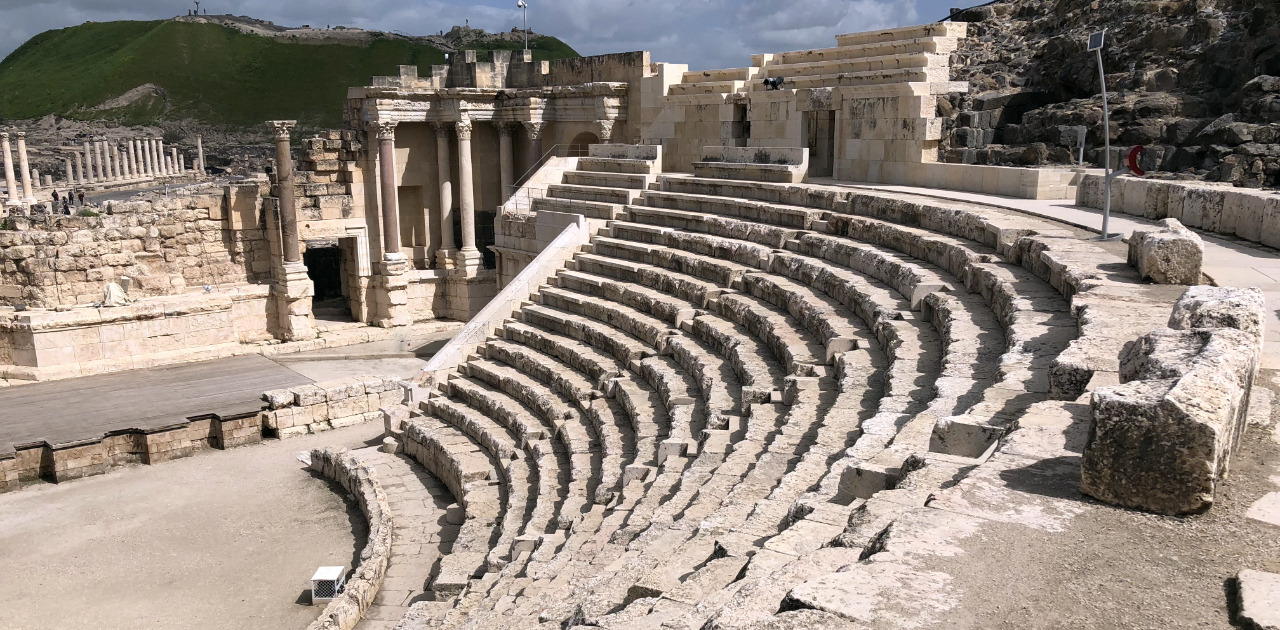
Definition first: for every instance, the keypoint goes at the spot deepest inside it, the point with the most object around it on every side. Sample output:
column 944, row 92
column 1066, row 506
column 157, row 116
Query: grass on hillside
column 210, row 72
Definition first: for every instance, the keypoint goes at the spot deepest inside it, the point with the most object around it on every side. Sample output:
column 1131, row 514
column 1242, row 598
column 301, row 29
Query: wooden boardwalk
column 84, row 408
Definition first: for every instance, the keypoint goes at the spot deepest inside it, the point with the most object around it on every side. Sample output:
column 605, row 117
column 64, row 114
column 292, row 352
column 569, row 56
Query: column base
column 391, row 292
column 444, row 258
column 293, row 303
column 469, row 260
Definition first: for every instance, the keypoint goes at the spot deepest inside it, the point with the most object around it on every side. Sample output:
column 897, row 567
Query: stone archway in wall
column 578, row 146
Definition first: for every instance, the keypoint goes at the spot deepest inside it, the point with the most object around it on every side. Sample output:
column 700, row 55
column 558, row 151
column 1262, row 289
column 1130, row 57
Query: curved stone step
column 593, row 193
column 635, row 181
column 473, row 480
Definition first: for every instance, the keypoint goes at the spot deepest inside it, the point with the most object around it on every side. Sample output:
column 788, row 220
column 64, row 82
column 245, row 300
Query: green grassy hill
column 210, row 73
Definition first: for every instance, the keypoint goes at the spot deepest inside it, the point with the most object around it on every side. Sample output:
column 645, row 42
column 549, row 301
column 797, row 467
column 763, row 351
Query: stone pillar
column 177, row 162
column 88, row 164
column 505, row 167
column 387, row 187
column 444, row 255
column 80, row 172
column 130, row 165
column 534, row 129
column 164, row 168
column 604, row 129
column 136, row 157
column 28, row 193
column 109, row 162
column 200, row 156
column 392, row 285
column 469, row 259
column 99, row 170
column 284, row 179
column 295, row 289
column 10, row 182
column 148, row 156
column 35, row 180
column 71, row 180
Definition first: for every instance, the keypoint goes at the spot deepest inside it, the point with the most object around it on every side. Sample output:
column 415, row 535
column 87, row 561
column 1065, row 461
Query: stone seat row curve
column 737, row 387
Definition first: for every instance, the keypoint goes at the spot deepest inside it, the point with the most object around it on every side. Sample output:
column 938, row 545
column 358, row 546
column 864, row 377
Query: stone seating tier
column 739, row 390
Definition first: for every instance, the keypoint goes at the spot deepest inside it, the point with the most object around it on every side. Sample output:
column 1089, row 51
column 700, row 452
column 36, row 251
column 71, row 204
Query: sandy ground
column 1118, row 568
column 223, row 539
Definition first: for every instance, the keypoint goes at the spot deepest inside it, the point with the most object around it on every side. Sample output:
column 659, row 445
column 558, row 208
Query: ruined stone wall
column 166, row 246
column 329, row 405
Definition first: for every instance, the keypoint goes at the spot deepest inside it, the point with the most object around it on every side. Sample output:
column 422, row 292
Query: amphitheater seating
column 738, row 386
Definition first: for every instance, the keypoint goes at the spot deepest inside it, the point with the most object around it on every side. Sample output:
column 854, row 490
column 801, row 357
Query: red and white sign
column 1132, row 160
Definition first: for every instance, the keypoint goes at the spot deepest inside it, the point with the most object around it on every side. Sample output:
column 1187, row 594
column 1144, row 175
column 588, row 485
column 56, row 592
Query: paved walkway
column 1227, row 261
column 83, row 408
column 418, row 501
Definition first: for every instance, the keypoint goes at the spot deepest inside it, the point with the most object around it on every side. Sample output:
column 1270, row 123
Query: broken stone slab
column 1258, row 599
column 1162, row 440
column 1220, row 307
column 1171, row 254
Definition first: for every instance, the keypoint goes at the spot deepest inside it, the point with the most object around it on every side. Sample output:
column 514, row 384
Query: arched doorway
column 578, row 146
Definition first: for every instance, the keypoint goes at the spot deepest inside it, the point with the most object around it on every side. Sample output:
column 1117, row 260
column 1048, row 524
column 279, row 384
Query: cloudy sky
column 703, row 33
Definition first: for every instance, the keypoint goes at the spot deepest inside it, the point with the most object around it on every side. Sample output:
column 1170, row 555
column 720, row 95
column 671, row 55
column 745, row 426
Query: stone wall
column 346, row 610
column 1253, row 215
column 329, row 404
column 166, row 246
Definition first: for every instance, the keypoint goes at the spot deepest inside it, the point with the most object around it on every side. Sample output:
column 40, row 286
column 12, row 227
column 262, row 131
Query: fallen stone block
column 1258, row 600
column 1220, row 307
column 1171, row 254
column 1163, row 439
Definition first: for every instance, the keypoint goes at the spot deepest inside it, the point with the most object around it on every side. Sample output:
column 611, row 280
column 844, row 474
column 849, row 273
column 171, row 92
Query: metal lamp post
column 524, row 7
column 1096, row 41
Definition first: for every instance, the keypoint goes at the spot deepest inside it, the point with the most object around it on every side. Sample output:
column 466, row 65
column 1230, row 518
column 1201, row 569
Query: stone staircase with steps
column 738, row 391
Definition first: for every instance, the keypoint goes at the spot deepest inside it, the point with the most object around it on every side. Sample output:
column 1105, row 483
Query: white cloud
column 702, row 33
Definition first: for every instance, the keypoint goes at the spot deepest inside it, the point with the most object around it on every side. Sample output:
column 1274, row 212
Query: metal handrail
column 569, row 150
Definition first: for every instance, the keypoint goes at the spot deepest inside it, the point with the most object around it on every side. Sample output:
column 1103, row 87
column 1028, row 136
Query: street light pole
column 1096, row 41
column 524, row 8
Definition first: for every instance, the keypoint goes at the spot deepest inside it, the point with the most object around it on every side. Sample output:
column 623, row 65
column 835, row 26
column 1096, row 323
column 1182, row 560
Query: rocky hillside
column 1195, row 81
column 217, row 70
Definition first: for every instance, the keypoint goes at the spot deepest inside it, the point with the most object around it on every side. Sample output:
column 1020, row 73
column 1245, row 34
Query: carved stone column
column 177, row 162
column 88, row 164
column 387, row 186
column 604, row 129
column 113, row 166
column 139, row 169
column 534, row 129
column 284, row 180
column 200, row 155
column 10, row 182
column 505, row 168
column 28, row 192
column 444, row 255
column 81, row 177
column 164, row 168
column 293, row 290
column 99, row 172
column 71, row 180
column 391, row 293
column 469, row 259
column 149, row 144
column 130, row 164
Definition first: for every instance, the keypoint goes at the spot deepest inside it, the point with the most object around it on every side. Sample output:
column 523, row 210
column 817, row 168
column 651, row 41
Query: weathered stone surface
column 1169, row 255
column 1258, row 599
column 1163, row 439
column 1220, row 307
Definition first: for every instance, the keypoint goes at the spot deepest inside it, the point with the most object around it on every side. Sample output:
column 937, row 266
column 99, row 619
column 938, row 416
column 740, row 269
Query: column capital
column 386, row 129
column 4, row 136
column 280, row 128
column 504, row 128
column 442, row 127
column 605, row 129
column 534, row 128
column 22, row 135
column 463, row 128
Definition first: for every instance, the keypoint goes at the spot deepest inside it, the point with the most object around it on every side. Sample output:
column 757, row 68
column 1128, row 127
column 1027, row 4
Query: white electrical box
column 327, row 583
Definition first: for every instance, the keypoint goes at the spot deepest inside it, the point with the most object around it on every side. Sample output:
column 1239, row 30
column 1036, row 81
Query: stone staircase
column 740, row 390
column 914, row 54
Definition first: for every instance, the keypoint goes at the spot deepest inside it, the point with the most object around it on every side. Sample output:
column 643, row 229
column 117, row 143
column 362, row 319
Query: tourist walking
column 82, row 197
column 55, row 198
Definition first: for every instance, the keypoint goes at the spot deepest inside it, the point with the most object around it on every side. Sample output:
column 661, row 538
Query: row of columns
column 99, row 161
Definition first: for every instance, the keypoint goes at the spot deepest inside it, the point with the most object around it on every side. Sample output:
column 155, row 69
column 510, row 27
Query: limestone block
column 1258, row 599
column 1220, row 307
column 1162, row 441
column 1169, row 255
